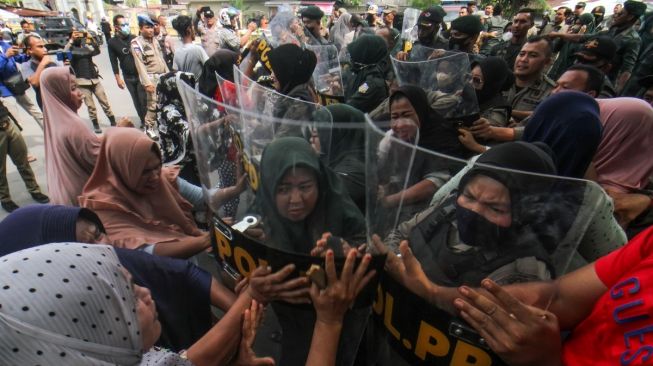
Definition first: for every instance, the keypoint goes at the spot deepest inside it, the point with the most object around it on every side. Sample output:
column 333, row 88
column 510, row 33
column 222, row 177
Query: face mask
column 457, row 43
column 444, row 79
column 77, row 42
column 124, row 29
column 475, row 230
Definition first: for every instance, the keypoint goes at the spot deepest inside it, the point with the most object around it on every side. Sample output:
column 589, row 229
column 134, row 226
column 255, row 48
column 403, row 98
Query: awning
column 8, row 15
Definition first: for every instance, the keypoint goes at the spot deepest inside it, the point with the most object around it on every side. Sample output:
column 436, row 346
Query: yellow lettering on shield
column 432, row 341
column 224, row 248
column 467, row 355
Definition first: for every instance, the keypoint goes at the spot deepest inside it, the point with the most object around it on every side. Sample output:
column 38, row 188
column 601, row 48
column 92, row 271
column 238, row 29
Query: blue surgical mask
column 124, row 29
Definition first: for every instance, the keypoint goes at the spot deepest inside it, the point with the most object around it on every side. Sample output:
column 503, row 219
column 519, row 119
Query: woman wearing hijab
column 70, row 147
column 222, row 63
column 346, row 148
column 292, row 70
column 574, row 137
column 490, row 77
column 183, row 292
column 294, row 222
column 623, row 163
column 493, row 224
column 300, row 199
column 366, row 87
column 414, row 122
column 75, row 304
column 138, row 206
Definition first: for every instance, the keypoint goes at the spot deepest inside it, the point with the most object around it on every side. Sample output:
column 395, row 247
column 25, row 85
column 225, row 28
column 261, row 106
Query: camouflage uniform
column 528, row 98
column 150, row 65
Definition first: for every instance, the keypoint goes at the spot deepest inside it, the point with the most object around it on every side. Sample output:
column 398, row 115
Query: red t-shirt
column 619, row 331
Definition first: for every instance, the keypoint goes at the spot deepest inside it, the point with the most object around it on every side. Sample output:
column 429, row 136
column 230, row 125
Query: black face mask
column 458, row 43
column 77, row 42
column 475, row 230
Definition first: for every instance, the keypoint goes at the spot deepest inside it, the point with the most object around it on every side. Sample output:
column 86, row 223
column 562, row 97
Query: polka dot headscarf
column 67, row 304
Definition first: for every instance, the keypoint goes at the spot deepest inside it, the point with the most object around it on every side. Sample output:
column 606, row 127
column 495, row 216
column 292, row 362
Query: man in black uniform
column 120, row 54
column 428, row 32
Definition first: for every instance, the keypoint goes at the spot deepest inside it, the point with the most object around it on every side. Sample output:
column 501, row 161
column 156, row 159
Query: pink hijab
column 70, row 147
column 132, row 219
column 624, row 160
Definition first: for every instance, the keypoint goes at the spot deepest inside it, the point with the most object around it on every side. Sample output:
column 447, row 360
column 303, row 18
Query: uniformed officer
column 366, row 88
column 624, row 35
column 531, row 83
column 464, row 34
column 150, row 65
column 208, row 31
column 599, row 51
column 428, row 31
column 312, row 19
column 508, row 50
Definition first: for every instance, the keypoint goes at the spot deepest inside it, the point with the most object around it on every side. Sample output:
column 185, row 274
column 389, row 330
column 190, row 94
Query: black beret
column 468, row 24
column 312, row 12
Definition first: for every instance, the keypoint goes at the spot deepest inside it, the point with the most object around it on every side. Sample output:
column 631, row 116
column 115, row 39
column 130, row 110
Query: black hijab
column 434, row 133
column 497, row 77
column 221, row 62
column 292, row 66
column 334, row 211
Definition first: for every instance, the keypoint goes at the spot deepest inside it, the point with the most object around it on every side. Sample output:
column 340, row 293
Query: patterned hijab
column 70, row 304
column 67, row 304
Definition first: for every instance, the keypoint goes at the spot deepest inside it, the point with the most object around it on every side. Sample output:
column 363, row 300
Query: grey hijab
column 70, row 304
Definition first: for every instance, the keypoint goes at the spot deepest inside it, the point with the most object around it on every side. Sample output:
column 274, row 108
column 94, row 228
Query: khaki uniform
column 13, row 144
column 150, row 64
column 528, row 98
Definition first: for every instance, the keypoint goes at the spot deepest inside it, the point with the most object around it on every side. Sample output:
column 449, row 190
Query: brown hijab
column 70, row 146
column 130, row 218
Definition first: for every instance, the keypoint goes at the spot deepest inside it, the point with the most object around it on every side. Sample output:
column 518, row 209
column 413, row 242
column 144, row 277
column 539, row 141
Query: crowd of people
column 501, row 169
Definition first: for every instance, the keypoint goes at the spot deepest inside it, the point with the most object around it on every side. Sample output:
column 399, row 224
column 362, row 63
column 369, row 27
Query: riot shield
column 270, row 107
column 227, row 91
column 489, row 222
column 409, row 28
column 327, row 76
column 445, row 76
column 285, row 27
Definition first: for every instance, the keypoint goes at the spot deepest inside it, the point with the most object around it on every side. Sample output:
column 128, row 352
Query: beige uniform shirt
column 148, row 59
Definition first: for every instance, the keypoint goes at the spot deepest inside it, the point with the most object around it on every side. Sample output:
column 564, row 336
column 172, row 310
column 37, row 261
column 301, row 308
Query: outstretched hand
column 251, row 320
column 265, row 286
column 332, row 303
column 405, row 269
column 520, row 334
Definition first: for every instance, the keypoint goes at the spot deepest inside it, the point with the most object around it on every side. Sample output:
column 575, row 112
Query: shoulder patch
column 363, row 88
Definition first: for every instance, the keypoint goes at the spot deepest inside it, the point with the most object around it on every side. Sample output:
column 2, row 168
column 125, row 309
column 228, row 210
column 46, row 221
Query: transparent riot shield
column 228, row 91
column 445, row 76
column 296, row 199
column 327, row 76
column 270, row 107
column 409, row 28
column 285, row 27
column 488, row 221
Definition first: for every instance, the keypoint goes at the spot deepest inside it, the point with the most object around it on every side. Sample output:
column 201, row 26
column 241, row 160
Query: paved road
column 120, row 103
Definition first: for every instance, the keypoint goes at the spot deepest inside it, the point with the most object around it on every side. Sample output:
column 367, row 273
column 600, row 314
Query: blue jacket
column 8, row 67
